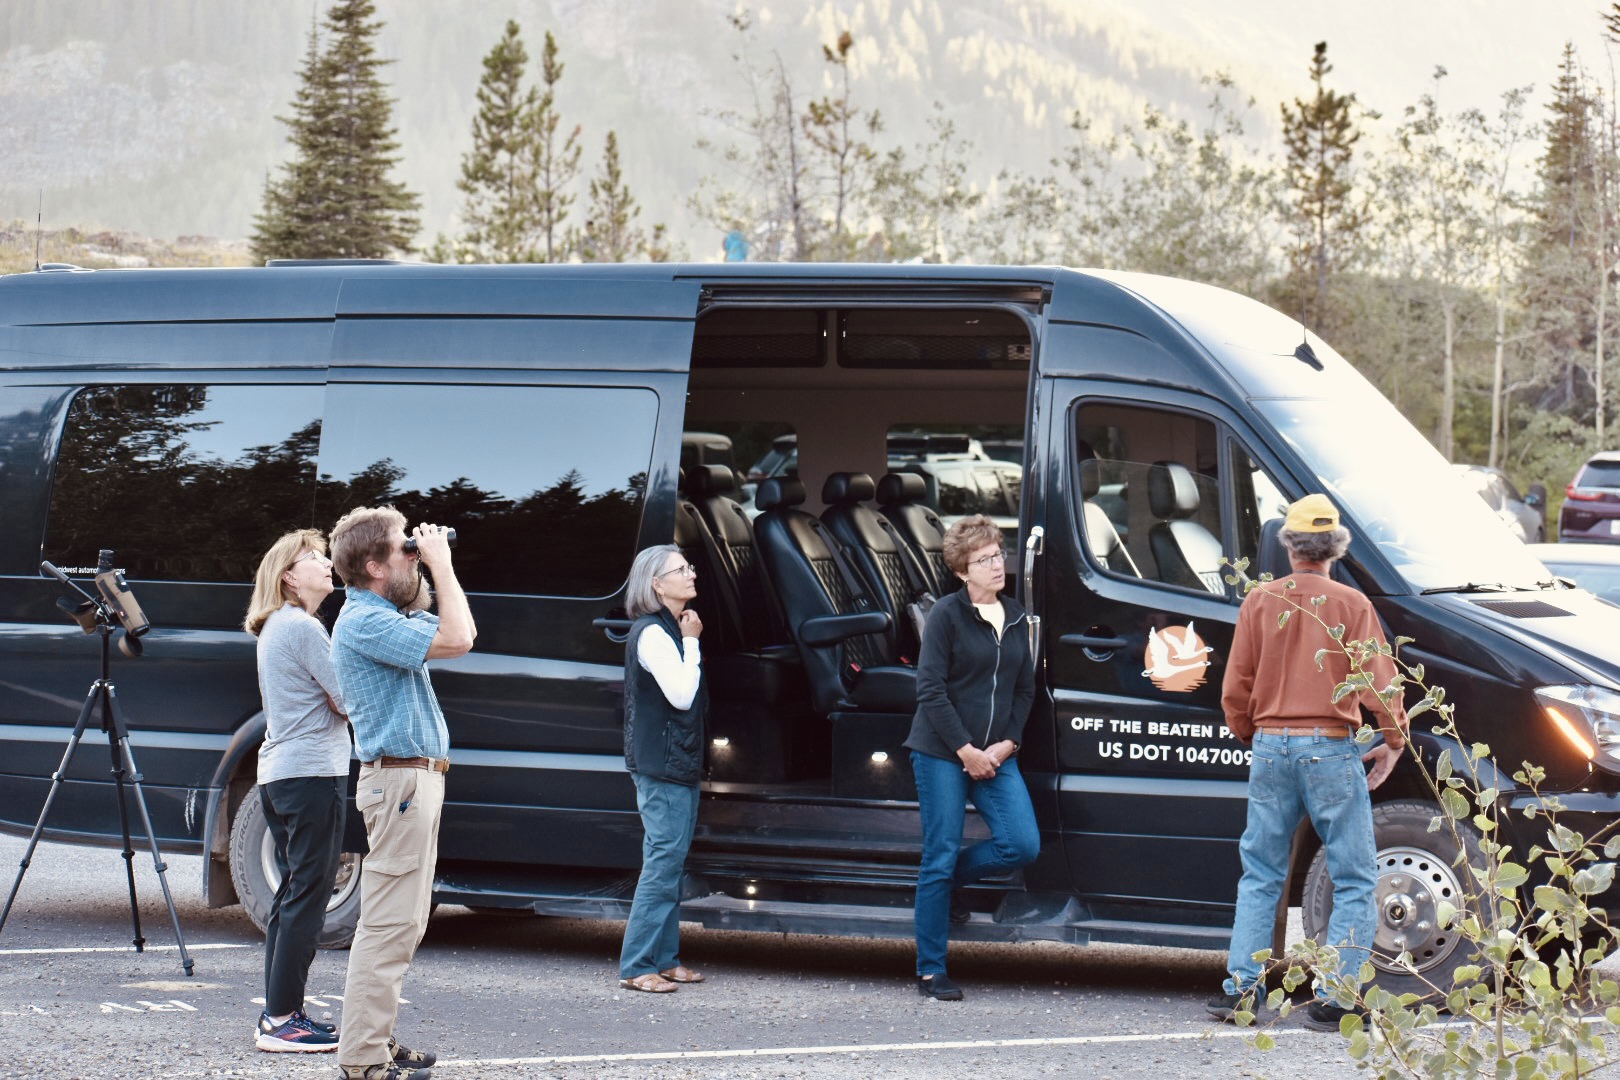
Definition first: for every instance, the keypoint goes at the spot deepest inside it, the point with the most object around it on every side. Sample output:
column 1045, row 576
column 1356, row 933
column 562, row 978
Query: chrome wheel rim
column 343, row 887
column 1412, row 882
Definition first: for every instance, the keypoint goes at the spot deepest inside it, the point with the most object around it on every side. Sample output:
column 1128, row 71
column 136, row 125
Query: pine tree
column 1561, row 260
column 611, row 234
column 1321, row 135
column 334, row 199
column 497, row 175
column 555, row 161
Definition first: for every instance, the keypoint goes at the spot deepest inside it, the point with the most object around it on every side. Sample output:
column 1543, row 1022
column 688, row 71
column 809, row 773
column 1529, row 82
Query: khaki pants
column 401, row 809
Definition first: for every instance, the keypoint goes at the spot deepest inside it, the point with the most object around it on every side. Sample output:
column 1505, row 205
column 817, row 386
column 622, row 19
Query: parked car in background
column 1594, row 567
column 1524, row 514
column 1591, row 508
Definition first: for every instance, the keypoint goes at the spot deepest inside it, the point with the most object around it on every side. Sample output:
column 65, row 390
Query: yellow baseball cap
column 1312, row 514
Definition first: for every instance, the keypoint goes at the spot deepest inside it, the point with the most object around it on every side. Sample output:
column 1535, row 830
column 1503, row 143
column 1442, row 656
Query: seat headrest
column 1171, row 491
column 898, row 488
column 779, row 492
column 705, row 480
column 845, row 488
column 1090, row 470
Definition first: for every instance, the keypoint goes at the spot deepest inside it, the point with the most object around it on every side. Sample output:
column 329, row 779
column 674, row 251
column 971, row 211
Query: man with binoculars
column 380, row 647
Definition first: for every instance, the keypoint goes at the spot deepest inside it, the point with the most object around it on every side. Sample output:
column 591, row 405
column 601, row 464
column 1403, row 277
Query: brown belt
column 385, row 762
column 1333, row 731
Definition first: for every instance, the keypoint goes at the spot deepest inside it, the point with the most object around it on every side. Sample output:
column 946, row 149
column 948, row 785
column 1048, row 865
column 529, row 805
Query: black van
column 185, row 418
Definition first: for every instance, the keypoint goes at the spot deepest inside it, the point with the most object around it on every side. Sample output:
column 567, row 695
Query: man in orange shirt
column 1306, row 761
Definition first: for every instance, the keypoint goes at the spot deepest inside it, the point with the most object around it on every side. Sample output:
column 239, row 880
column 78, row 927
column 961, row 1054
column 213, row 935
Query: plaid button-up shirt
column 380, row 657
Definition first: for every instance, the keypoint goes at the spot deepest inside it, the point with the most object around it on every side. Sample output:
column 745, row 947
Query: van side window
column 544, row 485
column 186, row 483
column 1150, row 501
column 1260, row 503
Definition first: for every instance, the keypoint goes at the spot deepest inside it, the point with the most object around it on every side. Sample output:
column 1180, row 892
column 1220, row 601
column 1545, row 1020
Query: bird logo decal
column 1176, row 658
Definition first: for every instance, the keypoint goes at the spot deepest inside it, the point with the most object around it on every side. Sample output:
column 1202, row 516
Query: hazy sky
column 1383, row 50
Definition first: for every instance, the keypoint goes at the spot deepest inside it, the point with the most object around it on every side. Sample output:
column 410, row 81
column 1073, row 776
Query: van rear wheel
column 256, row 876
column 1417, row 870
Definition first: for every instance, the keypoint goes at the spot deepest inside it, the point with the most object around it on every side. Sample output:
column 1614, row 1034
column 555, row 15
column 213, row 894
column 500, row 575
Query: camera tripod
column 102, row 693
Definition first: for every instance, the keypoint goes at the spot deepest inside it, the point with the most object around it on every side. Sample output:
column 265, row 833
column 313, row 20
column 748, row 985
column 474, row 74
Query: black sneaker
column 414, row 1059
column 1224, row 1006
column 960, row 912
column 294, row 1035
column 938, row 987
column 1325, row 1016
column 314, row 1023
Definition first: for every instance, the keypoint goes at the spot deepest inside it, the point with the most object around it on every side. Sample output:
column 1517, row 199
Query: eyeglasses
column 686, row 568
column 985, row 562
column 312, row 554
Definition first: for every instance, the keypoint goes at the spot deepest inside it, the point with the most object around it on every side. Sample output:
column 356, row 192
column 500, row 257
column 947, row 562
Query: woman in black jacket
column 975, row 685
column 664, row 704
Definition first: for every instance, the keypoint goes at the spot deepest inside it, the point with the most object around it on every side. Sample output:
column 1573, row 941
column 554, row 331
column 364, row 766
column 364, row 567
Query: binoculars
column 449, row 536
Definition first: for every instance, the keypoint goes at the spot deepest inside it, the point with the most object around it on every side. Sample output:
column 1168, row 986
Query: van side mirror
column 1535, row 496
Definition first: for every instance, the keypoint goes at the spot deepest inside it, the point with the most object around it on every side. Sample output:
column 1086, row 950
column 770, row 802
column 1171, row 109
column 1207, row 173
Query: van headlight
column 1588, row 717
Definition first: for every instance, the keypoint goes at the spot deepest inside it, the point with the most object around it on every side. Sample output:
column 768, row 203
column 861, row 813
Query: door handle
column 617, row 630
column 1094, row 642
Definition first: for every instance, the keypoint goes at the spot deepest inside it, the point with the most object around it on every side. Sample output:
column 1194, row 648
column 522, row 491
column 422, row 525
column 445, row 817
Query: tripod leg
column 122, row 732
column 57, row 780
column 115, row 747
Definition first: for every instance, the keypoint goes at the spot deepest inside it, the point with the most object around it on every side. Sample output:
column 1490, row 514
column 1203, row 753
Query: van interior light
column 1570, row 732
column 880, row 757
column 720, row 742
column 750, row 889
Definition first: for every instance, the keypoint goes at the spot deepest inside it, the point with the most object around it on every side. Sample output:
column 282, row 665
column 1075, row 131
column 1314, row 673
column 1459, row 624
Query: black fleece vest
column 659, row 740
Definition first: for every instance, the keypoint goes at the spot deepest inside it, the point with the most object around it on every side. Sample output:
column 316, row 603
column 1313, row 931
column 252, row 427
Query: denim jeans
column 668, row 819
column 1290, row 777
column 943, row 790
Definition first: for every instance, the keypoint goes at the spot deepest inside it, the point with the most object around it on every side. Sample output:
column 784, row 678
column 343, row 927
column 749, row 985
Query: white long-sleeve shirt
column 677, row 673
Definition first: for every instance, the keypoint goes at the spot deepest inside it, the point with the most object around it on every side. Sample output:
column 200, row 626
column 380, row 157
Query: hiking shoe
column 387, row 1071
column 296, row 1035
column 1325, row 1016
column 411, row 1059
column 314, row 1023
column 1225, row 1007
column 938, row 987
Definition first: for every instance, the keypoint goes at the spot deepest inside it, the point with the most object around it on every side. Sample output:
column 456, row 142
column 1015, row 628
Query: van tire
column 1412, row 862
column 253, row 872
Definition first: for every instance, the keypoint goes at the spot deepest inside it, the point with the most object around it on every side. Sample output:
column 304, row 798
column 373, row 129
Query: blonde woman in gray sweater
column 303, row 777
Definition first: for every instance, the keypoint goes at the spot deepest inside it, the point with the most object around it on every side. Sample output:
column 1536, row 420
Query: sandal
column 680, row 973
column 649, row 983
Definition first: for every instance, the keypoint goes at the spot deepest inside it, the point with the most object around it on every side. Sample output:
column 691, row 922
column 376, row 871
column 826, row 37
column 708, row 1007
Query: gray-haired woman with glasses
column 665, row 699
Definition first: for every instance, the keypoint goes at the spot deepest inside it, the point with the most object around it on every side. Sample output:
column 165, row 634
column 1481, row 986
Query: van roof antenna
column 39, row 225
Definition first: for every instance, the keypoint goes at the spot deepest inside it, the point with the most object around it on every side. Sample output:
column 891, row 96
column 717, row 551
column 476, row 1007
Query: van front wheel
column 256, row 876
column 1417, row 871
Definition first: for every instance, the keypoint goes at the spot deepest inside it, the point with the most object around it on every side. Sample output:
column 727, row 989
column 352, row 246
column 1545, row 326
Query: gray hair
column 1316, row 546
column 639, row 597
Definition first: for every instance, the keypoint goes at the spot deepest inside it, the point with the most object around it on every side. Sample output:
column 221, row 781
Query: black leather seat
column 717, row 602
column 709, row 487
column 1185, row 552
column 1101, row 536
column 900, row 501
column 845, row 636
column 878, row 552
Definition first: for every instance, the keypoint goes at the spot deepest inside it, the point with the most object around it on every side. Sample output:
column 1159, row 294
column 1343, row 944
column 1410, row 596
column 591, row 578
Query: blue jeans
column 1290, row 777
column 652, row 936
column 943, row 790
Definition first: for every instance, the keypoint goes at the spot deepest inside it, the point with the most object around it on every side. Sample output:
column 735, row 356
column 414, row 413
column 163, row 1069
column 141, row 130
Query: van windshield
column 1400, row 493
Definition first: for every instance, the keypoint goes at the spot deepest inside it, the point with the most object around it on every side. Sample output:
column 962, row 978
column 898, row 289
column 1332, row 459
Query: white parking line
column 119, row 948
column 870, row 1048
